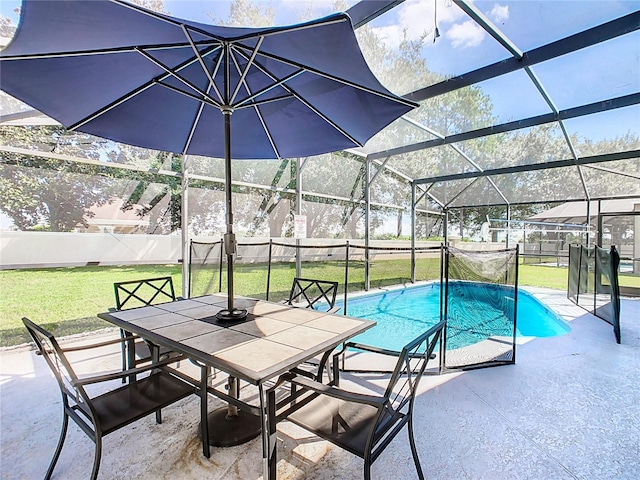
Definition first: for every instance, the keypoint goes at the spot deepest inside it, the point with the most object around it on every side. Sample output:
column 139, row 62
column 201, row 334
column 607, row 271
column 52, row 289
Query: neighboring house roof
column 576, row 212
column 112, row 214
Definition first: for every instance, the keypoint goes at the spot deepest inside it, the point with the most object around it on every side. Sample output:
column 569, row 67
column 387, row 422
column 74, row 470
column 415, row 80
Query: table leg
column 268, row 409
column 155, row 358
column 205, row 371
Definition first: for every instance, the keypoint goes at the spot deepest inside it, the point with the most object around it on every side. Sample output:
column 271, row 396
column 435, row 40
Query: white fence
column 52, row 249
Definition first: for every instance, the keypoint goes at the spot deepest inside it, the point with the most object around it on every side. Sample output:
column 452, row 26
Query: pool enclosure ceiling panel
column 389, row 190
column 446, row 192
column 527, row 146
column 607, row 182
column 512, row 85
column 593, row 74
column 531, row 24
column 436, row 161
column 482, row 191
column 463, row 45
column 333, row 174
column 404, row 131
column 606, row 132
column 551, row 185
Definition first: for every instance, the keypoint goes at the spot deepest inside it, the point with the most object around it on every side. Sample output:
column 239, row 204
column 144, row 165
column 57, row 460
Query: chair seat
column 133, row 401
column 346, row 423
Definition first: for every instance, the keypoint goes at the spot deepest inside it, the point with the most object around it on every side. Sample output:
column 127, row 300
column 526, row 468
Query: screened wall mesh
column 205, row 259
column 593, row 282
column 481, row 293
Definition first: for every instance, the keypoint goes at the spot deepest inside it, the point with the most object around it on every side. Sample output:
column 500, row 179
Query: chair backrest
column 138, row 293
column 311, row 293
column 52, row 353
column 411, row 364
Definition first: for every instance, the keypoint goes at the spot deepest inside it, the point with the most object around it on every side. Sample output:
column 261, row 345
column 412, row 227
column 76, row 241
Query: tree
column 37, row 191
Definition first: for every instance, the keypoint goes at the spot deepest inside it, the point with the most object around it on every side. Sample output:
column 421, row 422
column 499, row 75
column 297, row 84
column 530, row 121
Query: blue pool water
column 476, row 311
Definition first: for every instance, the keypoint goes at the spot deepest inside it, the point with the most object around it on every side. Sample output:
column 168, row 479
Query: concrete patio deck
column 569, row 409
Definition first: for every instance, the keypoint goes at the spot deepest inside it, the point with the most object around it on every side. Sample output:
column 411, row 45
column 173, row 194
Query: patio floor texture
column 569, row 409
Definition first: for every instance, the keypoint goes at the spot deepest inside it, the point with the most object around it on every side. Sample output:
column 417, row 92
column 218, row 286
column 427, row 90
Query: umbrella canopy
column 119, row 71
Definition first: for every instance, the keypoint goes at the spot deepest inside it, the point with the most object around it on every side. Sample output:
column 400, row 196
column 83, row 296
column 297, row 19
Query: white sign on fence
column 300, row 226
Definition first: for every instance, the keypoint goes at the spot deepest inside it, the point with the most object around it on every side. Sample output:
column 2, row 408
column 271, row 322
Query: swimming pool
column 477, row 311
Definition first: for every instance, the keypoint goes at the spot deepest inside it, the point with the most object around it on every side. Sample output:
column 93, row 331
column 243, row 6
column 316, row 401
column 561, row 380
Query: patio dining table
column 272, row 340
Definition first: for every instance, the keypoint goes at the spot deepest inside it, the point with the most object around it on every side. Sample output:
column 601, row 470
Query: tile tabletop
column 274, row 338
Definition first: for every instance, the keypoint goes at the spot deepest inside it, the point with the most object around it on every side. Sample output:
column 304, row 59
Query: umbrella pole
column 230, row 313
column 230, row 426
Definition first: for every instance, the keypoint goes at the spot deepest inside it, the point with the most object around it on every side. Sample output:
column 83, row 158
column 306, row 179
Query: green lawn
column 67, row 299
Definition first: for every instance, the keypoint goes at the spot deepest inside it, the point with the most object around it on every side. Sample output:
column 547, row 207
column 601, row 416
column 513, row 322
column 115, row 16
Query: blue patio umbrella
column 118, row 71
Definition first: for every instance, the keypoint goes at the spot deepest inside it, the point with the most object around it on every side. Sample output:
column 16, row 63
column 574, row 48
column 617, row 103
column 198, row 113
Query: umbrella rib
column 175, row 75
column 320, row 73
column 204, row 100
column 308, row 105
column 258, row 112
column 243, row 75
column 262, row 102
column 104, row 51
column 201, row 60
column 132, row 94
column 266, row 89
column 192, row 130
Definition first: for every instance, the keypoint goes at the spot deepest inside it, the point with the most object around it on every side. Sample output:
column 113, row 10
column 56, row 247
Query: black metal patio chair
column 311, row 293
column 102, row 414
column 318, row 295
column 139, row 293
column 361, row 424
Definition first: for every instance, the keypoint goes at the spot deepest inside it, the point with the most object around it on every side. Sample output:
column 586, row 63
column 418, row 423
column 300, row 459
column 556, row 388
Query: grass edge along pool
column 404, row 313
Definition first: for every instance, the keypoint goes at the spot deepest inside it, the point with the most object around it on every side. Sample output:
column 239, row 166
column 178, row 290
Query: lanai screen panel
column 333, row 219
column 593, row 75
column 401, row 132
column 606, row 132
column 338, row 175
column 620, row 179
column 532, row 24
column 527, row 146
column 553, row 185
column 425, row 63
column 79, row 198
column 442, row 160
column 481, row 191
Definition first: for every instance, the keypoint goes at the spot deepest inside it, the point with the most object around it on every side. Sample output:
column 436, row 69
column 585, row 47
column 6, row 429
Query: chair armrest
column 345, row 395
column 381, row 351
column 371, row 348
column 95, row 345
column 123, row 373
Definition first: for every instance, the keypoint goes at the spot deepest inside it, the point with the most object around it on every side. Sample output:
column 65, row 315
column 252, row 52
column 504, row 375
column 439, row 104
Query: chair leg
column 63, row 435
column 367, row 469
column 96, row 460
column 414, row 450
column 123, row 350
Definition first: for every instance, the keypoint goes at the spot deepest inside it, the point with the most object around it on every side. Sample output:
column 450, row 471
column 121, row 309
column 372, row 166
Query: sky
column 591, row 75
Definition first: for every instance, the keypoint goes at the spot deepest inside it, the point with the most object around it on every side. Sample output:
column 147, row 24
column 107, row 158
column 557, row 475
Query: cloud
column 499, row 13
column 464, row 35
column 391, row 35
column 416, row 17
